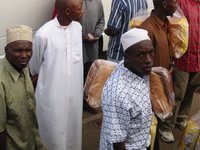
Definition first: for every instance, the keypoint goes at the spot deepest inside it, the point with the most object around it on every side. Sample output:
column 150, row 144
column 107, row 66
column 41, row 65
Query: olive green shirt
column 17, row 109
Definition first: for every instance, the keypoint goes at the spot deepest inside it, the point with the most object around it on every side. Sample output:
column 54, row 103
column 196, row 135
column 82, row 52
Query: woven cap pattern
column 19, row 32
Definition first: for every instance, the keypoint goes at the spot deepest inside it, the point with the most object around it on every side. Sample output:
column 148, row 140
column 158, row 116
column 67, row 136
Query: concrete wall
column 34, row 13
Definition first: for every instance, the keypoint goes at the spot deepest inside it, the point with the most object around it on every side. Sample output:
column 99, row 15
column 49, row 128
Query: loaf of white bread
column 96, row 78
column 178, row 36
column 162, row 93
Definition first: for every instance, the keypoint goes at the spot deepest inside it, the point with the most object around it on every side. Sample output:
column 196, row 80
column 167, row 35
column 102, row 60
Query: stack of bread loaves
column 96, row 78
column 162, row 93
column 178, row 36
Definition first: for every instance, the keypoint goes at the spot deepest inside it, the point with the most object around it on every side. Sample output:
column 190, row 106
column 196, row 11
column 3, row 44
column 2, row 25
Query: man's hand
column 3, row 140
column 91, row 38
column 110, row 32
column 119, row 146
column 34, row 80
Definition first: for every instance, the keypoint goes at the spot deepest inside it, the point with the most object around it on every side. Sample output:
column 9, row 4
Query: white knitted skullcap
column 133, row 36
column 19, row 32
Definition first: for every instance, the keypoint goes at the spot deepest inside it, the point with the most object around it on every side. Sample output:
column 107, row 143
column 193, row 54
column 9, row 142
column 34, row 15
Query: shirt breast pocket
column 76, row 54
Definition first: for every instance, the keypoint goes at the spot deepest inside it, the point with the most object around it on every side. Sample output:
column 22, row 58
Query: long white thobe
column 57, row 58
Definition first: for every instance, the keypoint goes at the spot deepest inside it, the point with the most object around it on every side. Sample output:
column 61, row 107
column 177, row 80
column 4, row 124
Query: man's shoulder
column 148, row 24
column 76, row 24
column 2, row 70
column 147, row 21
column 45, row 28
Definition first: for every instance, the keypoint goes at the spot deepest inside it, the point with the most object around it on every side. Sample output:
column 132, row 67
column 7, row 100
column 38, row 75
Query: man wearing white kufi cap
column 126, row 101
column 18, row 123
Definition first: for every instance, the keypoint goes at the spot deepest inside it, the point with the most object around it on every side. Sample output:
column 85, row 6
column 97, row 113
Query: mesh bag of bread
column 178, row 33
column 141, row 16
column 162, row 92
column 96, row 78
column 191, row 133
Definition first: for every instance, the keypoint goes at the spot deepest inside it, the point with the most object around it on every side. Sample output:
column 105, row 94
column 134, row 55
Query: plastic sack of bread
column 162, row 92
column 178, row 33
column 140, row 16
column 96, row 78
column 153, row 130
column 191, row 133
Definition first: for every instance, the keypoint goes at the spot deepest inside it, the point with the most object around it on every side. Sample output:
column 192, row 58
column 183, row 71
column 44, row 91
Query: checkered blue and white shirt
column 127, row 110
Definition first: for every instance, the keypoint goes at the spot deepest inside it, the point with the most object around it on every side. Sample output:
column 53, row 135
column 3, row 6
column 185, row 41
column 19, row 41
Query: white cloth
column 127, row 110
column 57, row 58
column 133, row 36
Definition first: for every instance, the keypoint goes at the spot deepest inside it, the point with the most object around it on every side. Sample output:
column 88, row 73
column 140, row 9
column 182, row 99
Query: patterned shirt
column 190, row 61
column 122, row 11
column 17, row 111
column 126, row 109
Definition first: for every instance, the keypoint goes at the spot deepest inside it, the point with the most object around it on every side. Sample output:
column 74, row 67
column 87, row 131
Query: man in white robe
column 57, row 65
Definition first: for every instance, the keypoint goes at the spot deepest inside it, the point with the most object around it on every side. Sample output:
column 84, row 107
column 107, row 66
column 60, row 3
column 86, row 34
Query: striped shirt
column 122, row 11
column 190, row 61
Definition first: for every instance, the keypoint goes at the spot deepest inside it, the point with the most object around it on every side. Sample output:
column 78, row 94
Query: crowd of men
column 41, row 78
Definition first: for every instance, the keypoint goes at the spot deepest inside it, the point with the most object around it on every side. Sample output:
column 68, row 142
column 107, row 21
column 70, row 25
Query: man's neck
column 160, row 14
column 63, row 21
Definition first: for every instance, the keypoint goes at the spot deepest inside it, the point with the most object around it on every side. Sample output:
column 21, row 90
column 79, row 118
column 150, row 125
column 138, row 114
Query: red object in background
column 55, row 12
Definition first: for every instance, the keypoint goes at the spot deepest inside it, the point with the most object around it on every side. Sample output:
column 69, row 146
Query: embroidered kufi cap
column 19, row 32
column 133, row 36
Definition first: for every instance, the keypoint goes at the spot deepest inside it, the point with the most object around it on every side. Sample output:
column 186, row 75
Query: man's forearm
column 119, row 146
column 110, row 32
column 3, row 140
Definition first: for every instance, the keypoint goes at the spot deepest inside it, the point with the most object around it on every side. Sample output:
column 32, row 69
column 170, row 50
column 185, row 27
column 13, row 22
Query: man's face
column 18, row 54
column 76, row 11
column 140, row 58
column 171, row 7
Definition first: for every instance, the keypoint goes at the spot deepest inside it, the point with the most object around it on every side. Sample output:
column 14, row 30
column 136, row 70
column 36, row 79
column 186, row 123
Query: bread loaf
column 178, row 36
column 96, row 78
column 162, row 92
column 136, row 22
column 153, row 131
column 190, row 135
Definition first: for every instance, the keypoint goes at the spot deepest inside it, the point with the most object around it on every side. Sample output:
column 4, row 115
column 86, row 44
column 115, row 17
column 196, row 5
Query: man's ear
column 164, row 4
column 126, row 57
column 6, row 49
column 67, row 11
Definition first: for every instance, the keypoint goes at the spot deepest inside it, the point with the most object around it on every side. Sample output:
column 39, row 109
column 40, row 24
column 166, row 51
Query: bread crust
column 162, row 92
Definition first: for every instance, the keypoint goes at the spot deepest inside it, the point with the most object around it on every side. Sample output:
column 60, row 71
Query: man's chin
column 23, row 66
column 147, row 71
